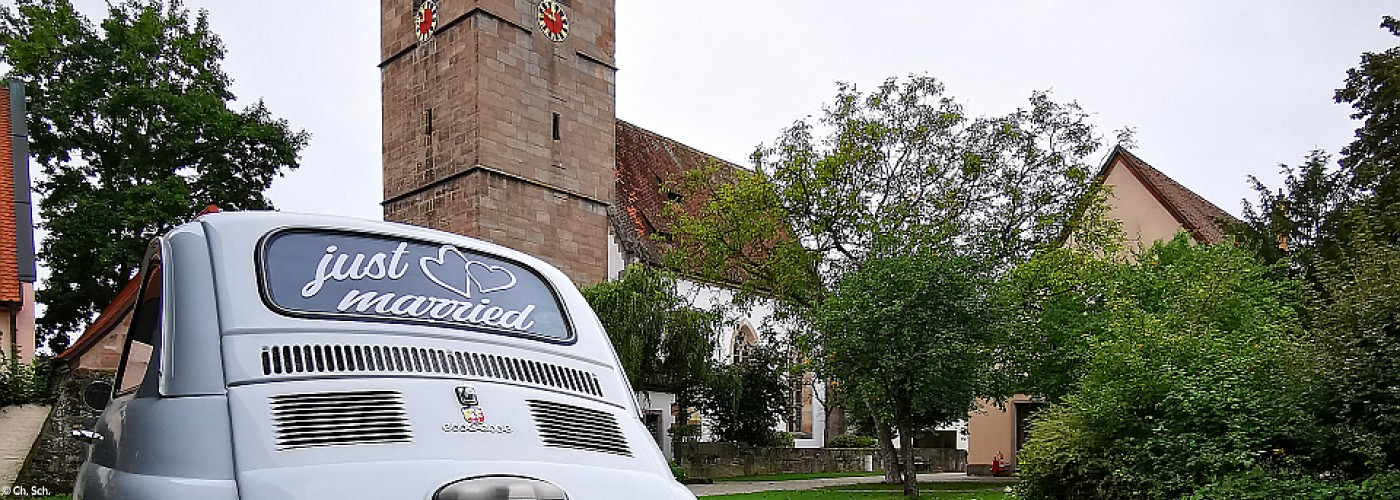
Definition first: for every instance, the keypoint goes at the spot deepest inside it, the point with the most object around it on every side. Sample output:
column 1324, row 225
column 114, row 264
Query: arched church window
column 744, row 343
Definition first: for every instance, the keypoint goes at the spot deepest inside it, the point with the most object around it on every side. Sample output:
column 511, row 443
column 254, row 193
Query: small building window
column 556, row 126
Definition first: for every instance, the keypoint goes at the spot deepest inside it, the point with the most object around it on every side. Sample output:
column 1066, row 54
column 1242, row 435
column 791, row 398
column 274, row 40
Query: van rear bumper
column 421, row 479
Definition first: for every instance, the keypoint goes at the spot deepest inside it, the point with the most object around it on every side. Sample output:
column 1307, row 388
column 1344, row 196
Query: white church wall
column 758, row 316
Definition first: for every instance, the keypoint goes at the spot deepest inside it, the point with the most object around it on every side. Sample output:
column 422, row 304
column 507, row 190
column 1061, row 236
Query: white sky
column 1217, row 90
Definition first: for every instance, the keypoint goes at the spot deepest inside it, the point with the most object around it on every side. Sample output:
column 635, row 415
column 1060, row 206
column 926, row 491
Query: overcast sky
column 1216, row 90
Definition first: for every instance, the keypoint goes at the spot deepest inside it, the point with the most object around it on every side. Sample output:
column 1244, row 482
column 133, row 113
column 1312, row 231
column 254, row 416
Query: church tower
column 499, row 123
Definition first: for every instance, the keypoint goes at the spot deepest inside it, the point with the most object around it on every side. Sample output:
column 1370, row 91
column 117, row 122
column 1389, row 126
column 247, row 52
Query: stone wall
column 53, row 462
column 714, row 460
column 494, row 131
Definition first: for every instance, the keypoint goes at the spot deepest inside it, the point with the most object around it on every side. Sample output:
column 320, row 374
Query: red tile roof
column 646, row 163
column 1203, row 219
column 9, row 254
column 111, row 317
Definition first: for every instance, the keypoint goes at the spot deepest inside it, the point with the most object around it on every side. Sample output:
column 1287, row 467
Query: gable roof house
column 1151, row 207
column 17, row 272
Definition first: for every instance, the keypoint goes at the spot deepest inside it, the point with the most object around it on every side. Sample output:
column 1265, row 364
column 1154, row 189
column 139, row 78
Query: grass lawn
column 791, row 477
column 853, row 495
column 964, row 487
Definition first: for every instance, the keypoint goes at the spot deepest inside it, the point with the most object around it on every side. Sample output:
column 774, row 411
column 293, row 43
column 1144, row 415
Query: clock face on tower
column 553, row 21
column 425, row 20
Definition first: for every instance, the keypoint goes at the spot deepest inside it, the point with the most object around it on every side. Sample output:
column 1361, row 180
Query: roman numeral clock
column 554, row 23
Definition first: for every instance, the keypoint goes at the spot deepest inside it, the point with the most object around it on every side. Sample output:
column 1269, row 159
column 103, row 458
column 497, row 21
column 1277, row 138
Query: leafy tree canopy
column 1373, row 158
column 911, row 336
column 132, row 128
column 1311, row 217
column 898, row 168
column 664, row 343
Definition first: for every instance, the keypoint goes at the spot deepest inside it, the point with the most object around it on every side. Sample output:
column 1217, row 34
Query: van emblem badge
column 474, row 415
column 466, row 395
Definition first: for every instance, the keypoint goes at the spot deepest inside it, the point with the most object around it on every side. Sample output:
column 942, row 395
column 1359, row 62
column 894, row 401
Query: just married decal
column 357, row 275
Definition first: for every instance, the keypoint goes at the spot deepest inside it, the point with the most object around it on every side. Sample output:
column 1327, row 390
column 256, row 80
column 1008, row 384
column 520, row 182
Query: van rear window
column 356, row 276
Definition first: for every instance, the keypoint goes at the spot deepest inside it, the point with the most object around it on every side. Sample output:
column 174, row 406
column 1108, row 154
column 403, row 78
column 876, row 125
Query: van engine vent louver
column 341, row 358
column 339, row 418
column 569, row 426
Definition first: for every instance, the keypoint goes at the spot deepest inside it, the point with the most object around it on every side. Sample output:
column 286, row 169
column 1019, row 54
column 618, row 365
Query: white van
column 276, row 356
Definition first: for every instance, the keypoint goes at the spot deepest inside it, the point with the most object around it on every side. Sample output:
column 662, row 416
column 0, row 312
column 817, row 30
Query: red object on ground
column 997, row 469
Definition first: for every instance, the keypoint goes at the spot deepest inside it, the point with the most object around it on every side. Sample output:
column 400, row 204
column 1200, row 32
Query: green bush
column 851, row 441
column 1193, row 372
column 781, row 439
column 1257, row 484
column 25, row 383
column 678, row 471
column 745, row 399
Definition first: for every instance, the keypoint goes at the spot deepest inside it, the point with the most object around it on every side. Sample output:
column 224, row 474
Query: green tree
column 900, row 169
column 1373, row 158
column 131, row 126
column 1191, row 366
column 744, row 399
column 1358, row 324
column 663, row 342
column 909, row 335
column 1304, row 220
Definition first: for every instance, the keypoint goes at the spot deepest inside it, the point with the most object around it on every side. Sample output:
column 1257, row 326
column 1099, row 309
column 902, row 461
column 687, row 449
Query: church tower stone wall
column 495, row 131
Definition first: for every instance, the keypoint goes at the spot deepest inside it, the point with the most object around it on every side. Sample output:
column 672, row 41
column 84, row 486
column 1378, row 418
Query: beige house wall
column 1145, row 220
column 991, row 430
column 107, row 354
column 21, row 343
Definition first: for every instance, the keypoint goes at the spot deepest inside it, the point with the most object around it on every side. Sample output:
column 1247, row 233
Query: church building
column 499, row 123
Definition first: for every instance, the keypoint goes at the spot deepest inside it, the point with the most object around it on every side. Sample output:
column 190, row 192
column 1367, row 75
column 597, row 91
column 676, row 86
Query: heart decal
column 497, row 277
column 440, row 260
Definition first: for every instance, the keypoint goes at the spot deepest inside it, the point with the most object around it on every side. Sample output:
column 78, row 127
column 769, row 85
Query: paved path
column 19, row 425
column 728, row 488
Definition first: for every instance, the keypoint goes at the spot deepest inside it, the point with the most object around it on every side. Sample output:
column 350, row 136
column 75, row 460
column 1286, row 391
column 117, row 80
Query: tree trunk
column 885, row 438
column 906, row 449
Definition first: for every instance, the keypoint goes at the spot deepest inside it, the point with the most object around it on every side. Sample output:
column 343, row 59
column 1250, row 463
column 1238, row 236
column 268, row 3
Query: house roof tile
column 1203, row 219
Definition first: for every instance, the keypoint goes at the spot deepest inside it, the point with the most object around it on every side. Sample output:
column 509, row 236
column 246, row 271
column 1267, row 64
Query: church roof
column 1203, row 219
column 646, row 163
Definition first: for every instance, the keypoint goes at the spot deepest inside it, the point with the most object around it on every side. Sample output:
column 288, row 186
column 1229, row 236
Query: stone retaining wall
column 53, row 462
column 716, row 460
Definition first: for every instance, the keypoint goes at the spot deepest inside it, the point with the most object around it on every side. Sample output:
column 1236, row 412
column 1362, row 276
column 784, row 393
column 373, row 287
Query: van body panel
column 264, row 358
column 190, row 360
column 177, row 437
column 430, row 407
column 379, row 481
column 98, row 482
